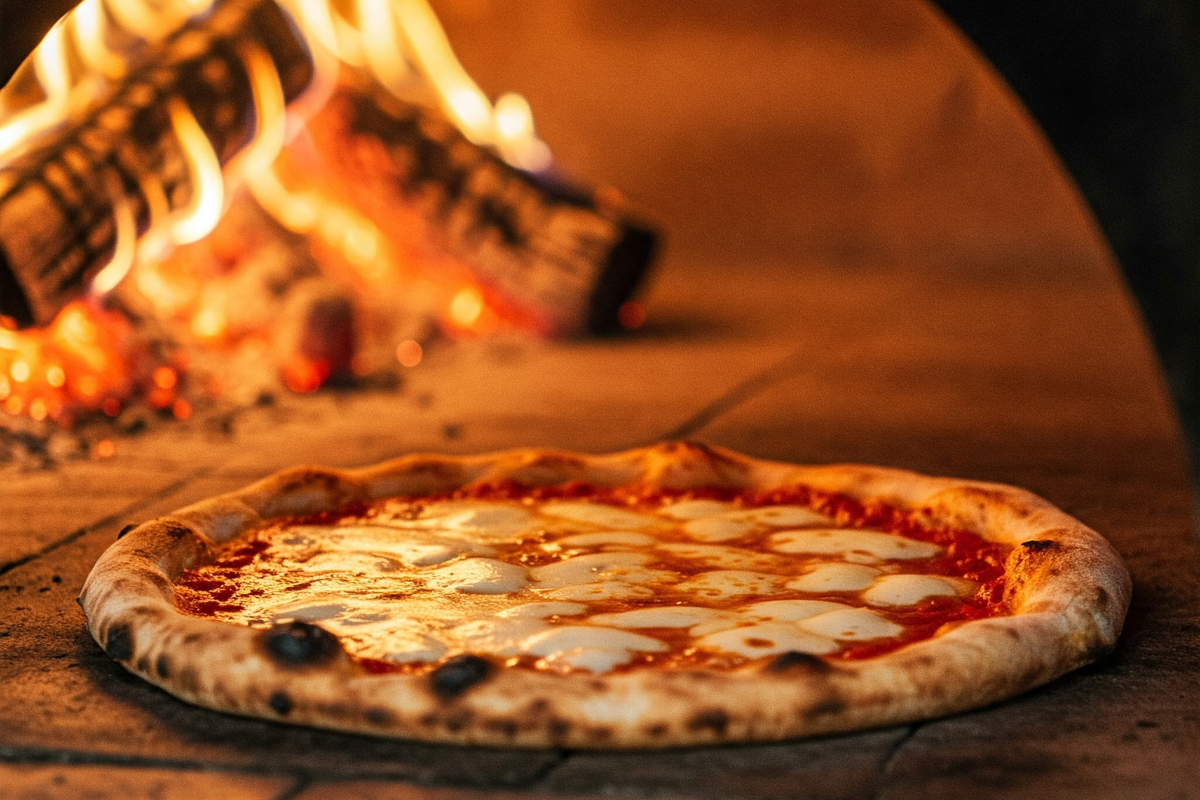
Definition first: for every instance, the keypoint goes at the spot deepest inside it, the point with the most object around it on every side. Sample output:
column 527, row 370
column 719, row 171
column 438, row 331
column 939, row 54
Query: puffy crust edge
column 1068, row 588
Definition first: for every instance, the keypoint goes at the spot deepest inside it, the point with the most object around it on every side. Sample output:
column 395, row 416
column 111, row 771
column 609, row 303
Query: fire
column 91, row 359
column 88, row 360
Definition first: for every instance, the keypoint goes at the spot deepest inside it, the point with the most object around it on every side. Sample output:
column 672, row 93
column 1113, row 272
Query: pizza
column 674, row 595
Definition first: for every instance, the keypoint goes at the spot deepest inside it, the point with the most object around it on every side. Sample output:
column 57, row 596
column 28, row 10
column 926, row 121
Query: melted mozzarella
column 907, row 590
column 783, row 516
column 607, row 590
column 499, row 636
column 695, row 509
column 717, row 529
column 715, row 555
column 609, row 566
column 766, row 639
column 544, row 610
column 479, row 520
column 480, row 576
column 791, row 610
column 625, row 538
column 835, row 578
column 590, row 659
column 871, row 545
column 600, row 515
column 658, row 617
column 724, row 583
column 567, row 637
column 416, row 548
column 852, row 624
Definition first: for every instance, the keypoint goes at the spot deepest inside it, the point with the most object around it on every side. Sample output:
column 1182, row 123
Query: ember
column 314, row 188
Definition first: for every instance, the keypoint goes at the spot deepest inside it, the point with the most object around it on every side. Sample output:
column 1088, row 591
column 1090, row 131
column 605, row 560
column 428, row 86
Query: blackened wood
column 553, row 254
column 57, row 227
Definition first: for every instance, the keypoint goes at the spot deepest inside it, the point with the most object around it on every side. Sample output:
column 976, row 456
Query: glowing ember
column 87, row 360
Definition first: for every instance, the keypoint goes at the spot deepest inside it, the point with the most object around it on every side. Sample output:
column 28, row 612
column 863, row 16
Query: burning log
column 115, row 170
column 557, row 258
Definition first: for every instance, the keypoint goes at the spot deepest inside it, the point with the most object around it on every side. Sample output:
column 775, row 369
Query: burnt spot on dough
column 378, row 717
column 163, row 666
column 557, row 729
column 505, row 727
column 126, row 529
column 713, row 719
column 459, row 720
column 795, row 660
column 281, row 703
column 188, row 680
column 118, row 644
column 143, row 664
column 300, row 644
column 1102, row 597
column 656, row 730
column 833, row 704
column 599, row 734
column 309, row 478
column 1040, row 545
column 458, row 675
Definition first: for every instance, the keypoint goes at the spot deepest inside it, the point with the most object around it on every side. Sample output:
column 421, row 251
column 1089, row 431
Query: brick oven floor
column 941, row 301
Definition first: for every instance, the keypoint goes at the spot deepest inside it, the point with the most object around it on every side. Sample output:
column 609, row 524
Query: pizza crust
column 1067, row 587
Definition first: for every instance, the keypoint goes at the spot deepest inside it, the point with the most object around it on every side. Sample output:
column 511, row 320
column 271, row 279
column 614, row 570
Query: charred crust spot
column 307, row 478
column 428, row 720
column 600, row 734
column 504, row 727
column 126, row 529
column 830, row 705
column 163, row 666
column 558, row 729
column 794, row 660
column 459, row 674
column 378, row 716
column 713, row 719
column 175, row 530
column 1102, row 596
column 656, row 730
column 300, row 644
column 1040, row 545
column 459, row 720
column 539, row 706
column 281, row 703
column 119, row 642
column 143, row 664
column 188, row 680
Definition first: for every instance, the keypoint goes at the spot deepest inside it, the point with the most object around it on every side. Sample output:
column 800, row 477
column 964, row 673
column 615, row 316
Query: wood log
column 561, row 258
column 58, row 201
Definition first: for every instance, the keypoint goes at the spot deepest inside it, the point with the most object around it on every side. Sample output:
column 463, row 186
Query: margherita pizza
column 672, row 595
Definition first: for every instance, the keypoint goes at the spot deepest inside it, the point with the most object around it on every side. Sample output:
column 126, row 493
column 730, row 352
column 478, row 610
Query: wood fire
column 317, row 188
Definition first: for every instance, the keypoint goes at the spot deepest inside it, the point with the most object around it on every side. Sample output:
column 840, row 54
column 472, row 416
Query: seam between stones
column 298, row 787
column 736, row 395
column 132, row 508
column 892, row 755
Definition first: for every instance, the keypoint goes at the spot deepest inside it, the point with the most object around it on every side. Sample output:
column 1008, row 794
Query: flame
column 89, row 23
column 208, row 185
column 89, row 359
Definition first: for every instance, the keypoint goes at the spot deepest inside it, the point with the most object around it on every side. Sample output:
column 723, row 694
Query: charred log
column 559, row 258
column 58, row 202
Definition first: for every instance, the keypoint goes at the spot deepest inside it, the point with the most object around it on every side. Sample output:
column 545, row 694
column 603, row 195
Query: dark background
column 1116, row 87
